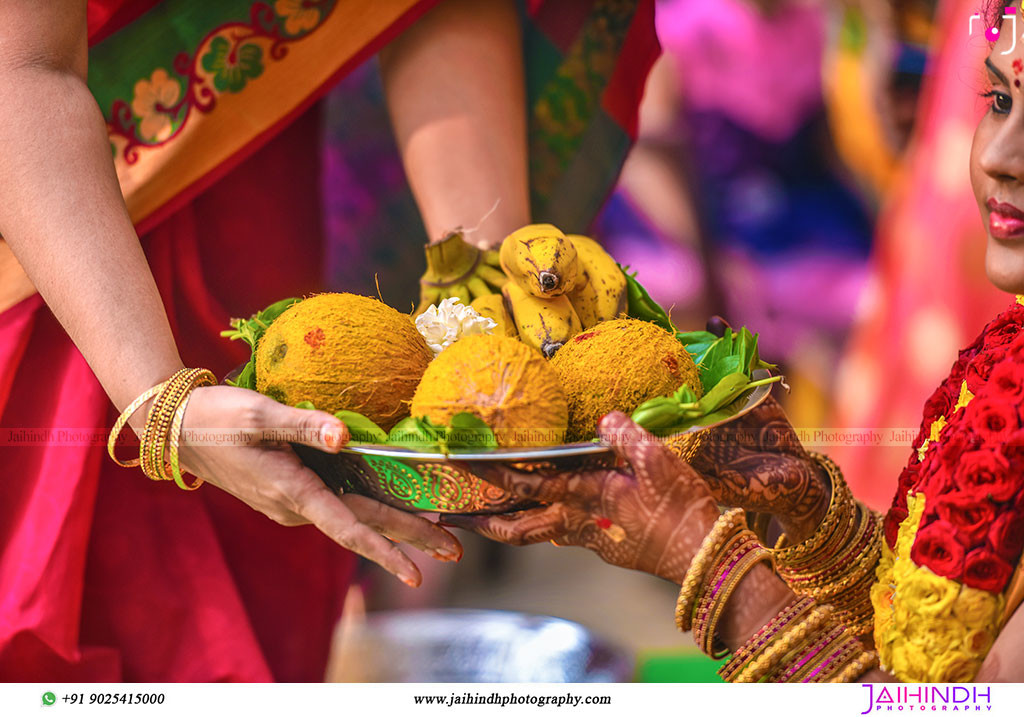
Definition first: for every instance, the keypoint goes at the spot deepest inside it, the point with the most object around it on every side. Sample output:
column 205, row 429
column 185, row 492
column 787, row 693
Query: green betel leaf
column 267, row 316
column 362, row 428
column 727, row 411
column 469, row 431
column 251, row 330
column 755, row 362
column 685, row 395
column 247, row 377
column 722, row 368
column 697, row 343
column 719, row 349
column 413, row 433
column 744, row 344
column 640, row 305
column 308, row 405
column 438, row 430
column 727, row 390
column 658, row 415
column 688, row 338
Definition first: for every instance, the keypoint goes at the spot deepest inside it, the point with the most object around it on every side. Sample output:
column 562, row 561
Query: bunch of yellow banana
column 558, row 285
column 457, row 268
column 600, row 292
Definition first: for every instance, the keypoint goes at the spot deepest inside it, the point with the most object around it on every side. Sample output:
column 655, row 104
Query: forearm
column 66, row 222
column 758, row 598
column 455, row 90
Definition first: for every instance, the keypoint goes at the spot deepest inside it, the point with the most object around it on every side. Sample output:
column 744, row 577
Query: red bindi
column 1018, row 66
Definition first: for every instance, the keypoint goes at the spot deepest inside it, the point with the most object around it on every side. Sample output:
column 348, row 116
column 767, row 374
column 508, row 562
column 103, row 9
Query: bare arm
column 63, row 215
column 455, row 89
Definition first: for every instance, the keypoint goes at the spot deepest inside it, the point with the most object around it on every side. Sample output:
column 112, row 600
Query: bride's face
column 997, row 162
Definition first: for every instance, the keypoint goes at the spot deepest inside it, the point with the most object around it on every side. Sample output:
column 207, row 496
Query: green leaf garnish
column 250, row 331
column 361, row 428
column 640, row 305
column 422, row 434
column 467, row 430
column 418, row 434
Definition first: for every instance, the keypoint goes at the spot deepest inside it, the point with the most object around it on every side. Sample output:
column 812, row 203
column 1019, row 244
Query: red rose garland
column 968, row 460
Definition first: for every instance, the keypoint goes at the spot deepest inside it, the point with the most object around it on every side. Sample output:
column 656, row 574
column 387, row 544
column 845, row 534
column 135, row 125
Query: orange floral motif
column 298, row 17
column 149, row 103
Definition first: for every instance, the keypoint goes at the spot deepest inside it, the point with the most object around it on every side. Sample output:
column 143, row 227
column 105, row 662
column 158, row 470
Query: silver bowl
column 474, row 646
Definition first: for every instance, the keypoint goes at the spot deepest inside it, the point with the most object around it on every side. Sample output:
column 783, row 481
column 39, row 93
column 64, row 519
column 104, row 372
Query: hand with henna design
column 758, row 463
column 649, row 515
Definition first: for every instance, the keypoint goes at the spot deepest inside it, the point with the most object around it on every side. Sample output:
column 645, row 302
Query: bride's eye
column 1000, row 102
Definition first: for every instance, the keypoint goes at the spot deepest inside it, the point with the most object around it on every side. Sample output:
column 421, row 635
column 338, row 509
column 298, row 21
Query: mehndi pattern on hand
column 650, row 514
column 758, row 463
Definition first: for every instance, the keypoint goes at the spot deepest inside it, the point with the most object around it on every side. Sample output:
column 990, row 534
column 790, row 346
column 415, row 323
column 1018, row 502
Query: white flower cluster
column 443, row 325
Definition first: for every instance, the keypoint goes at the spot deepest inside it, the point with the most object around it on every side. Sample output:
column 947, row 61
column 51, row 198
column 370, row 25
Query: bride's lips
column 1005, row 221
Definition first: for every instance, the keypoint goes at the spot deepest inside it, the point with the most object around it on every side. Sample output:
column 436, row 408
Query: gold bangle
column 848, row 650
column 728, row 523
column 158, row 423
column 842, row 565
column 204, row 379
column 836, row 564
column 838, row 505
column 777, row 651
column 809, row 572
column 817, row 621
column 812, row 654
column 742, row 569
column 858, row 667
column 164, row 425
column 151, row 433
column 722, row 566
column 119, row 425
column 859, row 567
column 787, row 617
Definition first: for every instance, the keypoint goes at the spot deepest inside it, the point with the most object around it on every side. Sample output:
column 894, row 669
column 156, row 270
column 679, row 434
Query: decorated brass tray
column 430, row 482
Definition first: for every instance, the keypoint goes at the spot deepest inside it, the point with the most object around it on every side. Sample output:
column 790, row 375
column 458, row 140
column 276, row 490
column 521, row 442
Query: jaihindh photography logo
column 928, row 698
column 993, row 32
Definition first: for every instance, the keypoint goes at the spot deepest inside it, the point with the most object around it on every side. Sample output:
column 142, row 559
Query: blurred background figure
column 927, row 292
column 735, row 200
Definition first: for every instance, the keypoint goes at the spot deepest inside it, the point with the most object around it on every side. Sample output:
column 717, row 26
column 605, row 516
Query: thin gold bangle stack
column 727, row 526
column 836, row 564
column 161, row 436
column 809, row 640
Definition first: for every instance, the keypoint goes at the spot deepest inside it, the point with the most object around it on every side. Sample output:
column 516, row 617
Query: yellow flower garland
column 929, row 628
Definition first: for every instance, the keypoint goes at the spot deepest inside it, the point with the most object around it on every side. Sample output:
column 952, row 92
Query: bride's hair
column 993, row 10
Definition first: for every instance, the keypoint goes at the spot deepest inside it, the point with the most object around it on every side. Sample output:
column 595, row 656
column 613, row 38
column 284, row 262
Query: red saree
column 106, row 576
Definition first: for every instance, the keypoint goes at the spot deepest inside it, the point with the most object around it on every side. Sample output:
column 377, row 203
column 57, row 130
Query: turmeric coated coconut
column 506, row 383
column 343, row 351
column 616, row 366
